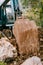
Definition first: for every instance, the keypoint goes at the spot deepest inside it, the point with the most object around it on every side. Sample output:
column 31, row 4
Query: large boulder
column 7, row 50
column 26, row 35
column 32, row 61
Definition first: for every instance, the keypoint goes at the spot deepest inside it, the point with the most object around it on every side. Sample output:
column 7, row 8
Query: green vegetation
column 41, row 14
column 2, row 63
column 36, row 10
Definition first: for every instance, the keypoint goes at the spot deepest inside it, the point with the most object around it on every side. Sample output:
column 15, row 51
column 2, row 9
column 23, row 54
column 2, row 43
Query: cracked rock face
column 26, row 35
column 6, row 49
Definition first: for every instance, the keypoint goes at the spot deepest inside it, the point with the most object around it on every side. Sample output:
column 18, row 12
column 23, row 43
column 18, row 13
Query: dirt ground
column 19, row 59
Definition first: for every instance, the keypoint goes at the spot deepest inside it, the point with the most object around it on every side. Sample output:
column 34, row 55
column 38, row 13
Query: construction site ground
column 8, row 33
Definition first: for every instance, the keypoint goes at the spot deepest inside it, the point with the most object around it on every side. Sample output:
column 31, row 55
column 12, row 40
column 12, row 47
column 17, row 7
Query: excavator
column 14, row 5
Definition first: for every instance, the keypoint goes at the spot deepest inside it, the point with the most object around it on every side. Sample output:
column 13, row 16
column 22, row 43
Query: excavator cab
column 9, row 10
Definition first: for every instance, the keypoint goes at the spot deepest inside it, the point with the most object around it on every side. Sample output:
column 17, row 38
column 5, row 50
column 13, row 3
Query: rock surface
column 6, row 49
column 32, row 61
column 26, row 35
